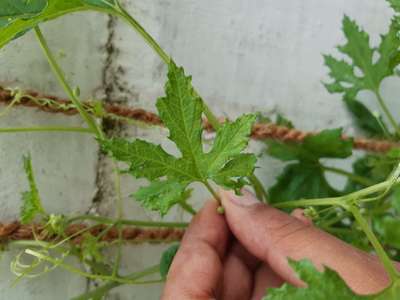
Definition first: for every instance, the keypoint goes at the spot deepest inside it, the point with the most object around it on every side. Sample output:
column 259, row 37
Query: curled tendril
column 38, row 265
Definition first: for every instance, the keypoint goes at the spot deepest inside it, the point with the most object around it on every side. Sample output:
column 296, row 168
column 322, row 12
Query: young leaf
column 364, row 72
column 358, row 49
column 31, row 205
column 181, row 111
column 21, row 8
column 306, row 179
column 54, row 9
column 166, row 260
column 320, row 285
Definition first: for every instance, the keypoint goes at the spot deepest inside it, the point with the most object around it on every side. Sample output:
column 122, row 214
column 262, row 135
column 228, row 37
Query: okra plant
column 364, row 213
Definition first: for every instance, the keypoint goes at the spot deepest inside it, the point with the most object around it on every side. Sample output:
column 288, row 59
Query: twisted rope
column 16, row 231
column 261, row 131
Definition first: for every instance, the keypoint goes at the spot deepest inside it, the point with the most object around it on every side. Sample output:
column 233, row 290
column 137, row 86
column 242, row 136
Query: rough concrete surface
column 244, row 56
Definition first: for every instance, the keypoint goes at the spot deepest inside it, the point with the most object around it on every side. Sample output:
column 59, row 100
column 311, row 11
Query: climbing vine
column 364, row 213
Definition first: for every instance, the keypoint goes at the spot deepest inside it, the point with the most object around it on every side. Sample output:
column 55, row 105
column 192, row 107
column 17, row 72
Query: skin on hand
column 239, row 255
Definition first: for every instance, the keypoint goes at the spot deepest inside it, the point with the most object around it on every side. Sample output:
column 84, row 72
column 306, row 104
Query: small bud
column 221, row 210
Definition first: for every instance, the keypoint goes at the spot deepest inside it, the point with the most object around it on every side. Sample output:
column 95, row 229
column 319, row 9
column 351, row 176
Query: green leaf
column 300, row 181
column 328, row 143
column 320, row 285
column 31, row 205
column 166, row 260
column 181, row 111
column 365, row 118
column 54, row 9
column 169, row 192
column 363, row 72
column 21, row 8
column 360, row 52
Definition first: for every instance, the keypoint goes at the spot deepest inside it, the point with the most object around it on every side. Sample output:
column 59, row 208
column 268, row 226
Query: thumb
column 274, row 236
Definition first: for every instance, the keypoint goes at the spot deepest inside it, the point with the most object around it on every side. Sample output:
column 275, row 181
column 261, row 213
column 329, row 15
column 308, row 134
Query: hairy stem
column 213, row 193
column 46, row 129
column 387, row 112
column 388, row 264
column 342, row 200
column 188, row 208
column 63, row 81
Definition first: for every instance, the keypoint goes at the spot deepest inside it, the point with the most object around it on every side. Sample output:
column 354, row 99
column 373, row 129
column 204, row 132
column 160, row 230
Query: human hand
column 241, row 254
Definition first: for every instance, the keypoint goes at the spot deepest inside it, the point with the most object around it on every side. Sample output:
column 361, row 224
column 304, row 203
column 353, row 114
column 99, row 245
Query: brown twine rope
column 16, row 231
column 260, row 131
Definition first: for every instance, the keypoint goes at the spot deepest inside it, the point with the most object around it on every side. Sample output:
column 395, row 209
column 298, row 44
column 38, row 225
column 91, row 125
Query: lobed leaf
column 364, row 71
column 181, row 111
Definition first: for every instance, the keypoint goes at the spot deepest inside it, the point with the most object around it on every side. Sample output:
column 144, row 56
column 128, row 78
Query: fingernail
column 246, row 199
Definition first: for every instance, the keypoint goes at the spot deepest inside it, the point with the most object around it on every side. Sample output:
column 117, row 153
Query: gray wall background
column 243, row 55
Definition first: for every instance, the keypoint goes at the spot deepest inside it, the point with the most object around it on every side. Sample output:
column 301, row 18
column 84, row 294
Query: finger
column 265, row 278
column 197, row 267
column 298, row 213
column 273, row 236
column 239, row 267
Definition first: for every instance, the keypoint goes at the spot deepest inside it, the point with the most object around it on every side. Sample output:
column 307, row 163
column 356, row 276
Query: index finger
column 196, row 270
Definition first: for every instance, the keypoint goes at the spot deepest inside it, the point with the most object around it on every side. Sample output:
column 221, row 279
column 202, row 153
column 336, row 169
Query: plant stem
column 147, row 37
column 188, row 208
column 46, row 129
column 103, row 289
column 105, row 220
column 310, row 202
column 359, row 179
column 213, row 193
column 62, row 80
column 342, row 200
column 387, row 112
column 387, row 263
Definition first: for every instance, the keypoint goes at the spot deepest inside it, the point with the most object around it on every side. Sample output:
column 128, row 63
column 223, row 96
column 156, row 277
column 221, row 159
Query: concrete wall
column 243, row 55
